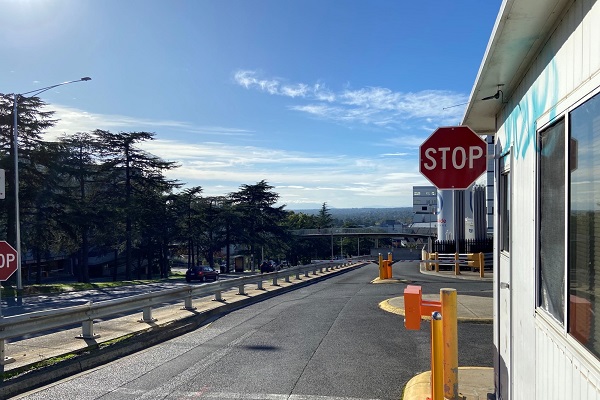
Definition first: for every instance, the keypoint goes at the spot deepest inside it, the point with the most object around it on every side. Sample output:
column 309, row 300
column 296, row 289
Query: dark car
column 266, row 267
column 201, row 273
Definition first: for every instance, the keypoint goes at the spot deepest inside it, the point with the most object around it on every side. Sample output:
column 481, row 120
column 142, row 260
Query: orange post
column 381, row 269
column 437, row 357
column 412, row 307
column 389, row 266
column 448, row 298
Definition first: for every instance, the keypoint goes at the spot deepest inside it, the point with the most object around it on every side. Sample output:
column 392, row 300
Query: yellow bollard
column 448, row 298
column 381, row 269
column 456, row 264
column 437, row 354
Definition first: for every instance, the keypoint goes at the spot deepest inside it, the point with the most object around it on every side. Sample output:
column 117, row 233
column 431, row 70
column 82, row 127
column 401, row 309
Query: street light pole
column 16, row 168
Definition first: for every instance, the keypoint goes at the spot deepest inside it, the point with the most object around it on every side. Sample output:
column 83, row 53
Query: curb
column 386, row 306
column 419, row 387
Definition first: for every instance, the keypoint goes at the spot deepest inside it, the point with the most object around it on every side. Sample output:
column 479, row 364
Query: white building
column 542, row 72
column 424, row 204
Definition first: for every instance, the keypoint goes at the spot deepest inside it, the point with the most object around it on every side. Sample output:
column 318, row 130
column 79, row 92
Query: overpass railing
column 339, row 231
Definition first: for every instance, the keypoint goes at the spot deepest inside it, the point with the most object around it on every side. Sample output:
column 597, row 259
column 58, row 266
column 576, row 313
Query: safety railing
column 457, row 260
column 49, row 320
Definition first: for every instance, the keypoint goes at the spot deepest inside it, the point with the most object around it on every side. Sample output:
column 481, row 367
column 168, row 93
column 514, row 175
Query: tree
column 138, row 169
column 324, row 220
column 32, row 122
column 260, row 218
column 84, row 193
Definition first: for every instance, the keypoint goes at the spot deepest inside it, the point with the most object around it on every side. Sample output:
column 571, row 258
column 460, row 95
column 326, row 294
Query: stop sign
column 452, row 157
column 8, row 260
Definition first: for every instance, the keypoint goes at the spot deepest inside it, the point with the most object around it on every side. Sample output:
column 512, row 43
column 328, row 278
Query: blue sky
column 328, row 101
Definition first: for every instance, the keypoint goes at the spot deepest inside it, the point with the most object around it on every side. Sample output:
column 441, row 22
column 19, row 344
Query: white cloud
column 73, row 120
column 221, row 166
column 375, row 106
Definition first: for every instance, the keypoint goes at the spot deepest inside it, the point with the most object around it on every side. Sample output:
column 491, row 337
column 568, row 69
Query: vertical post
column 332, row 243
column 456, row 264
column 437, row 354
column 2, row 358
column 16, row 199
column 147, row 315
column 381, row 272
column 87, row 330
column 436, row 259
column 448, row 298
column 187, row 303
column 481, row 265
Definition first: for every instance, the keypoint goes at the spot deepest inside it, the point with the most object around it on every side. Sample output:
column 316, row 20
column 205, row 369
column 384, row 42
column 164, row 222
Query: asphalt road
column 327, row 341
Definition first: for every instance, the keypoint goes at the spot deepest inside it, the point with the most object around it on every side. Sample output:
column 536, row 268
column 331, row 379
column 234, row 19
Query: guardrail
column 48, row 320
column 472, row 260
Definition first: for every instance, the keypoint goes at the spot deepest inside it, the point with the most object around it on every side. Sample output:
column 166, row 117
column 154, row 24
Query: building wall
column 547, row 363
column 424, row 203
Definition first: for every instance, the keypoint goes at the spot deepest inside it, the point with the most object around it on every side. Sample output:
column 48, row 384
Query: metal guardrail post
column 147, row 315
column 87, row 330
column 306, row 273
column 298, row 275
column 219, row 296
column 242, row 290
column 287, row 279
column 187, row 303
column 448, row 298
column 275, row 281
column 259, row 286
column 437, row 354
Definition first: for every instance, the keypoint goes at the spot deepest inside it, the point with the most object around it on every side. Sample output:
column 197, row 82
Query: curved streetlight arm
column 38, row 91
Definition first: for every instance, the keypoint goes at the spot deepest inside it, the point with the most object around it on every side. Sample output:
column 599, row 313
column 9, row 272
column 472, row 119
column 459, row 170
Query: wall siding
column 546, row 363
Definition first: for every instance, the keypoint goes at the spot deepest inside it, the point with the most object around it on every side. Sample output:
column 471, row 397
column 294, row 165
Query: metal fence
column 464, row 246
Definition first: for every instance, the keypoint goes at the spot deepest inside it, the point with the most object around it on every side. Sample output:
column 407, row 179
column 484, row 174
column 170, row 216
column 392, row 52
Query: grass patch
column 13, row 373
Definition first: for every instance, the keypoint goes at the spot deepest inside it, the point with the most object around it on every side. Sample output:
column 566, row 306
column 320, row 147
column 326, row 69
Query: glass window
column 552, row 220
column 584, row 244
column 505, row 211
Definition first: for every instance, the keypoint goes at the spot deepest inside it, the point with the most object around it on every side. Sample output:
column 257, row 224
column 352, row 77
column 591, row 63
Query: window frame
column 505, row 198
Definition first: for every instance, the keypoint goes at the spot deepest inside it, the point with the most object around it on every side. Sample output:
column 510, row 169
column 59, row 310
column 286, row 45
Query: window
column 584, row 227
column 552, row 220
column 504, row 204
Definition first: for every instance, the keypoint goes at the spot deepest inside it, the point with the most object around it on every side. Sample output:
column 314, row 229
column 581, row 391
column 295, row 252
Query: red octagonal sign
column 453, row 157
column 8, row 260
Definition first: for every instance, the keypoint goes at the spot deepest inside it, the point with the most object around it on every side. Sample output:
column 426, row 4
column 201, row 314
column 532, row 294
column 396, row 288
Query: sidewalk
column 474, row 383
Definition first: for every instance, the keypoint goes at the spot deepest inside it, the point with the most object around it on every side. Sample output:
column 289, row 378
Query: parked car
column 201, row 273
column 266, row 266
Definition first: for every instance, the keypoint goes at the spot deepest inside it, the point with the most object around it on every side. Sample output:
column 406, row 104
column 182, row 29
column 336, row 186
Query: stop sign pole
column 452, row 158
column 8, row 265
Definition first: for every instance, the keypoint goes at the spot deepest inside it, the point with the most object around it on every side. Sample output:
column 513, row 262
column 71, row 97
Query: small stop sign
column 8, row 260
column 453, row 157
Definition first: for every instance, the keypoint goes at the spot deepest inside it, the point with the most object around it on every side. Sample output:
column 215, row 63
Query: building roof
column 521, row 28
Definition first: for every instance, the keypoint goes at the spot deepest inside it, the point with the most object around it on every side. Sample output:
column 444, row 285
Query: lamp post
column 16, row 168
